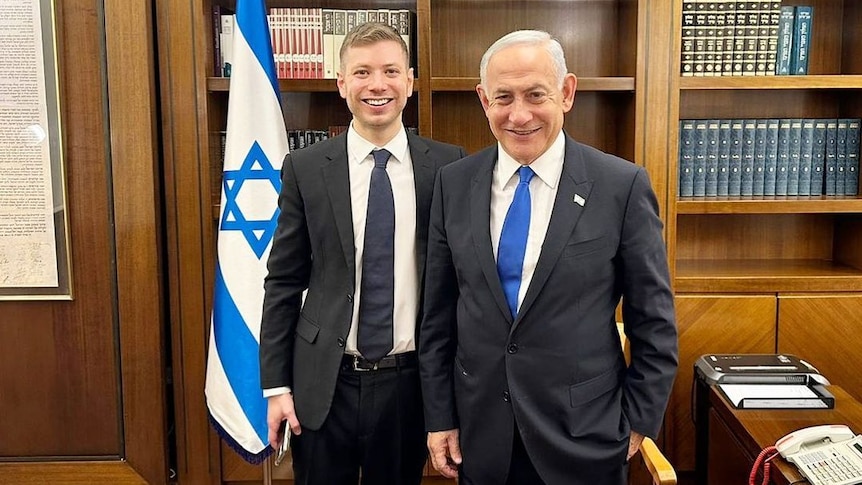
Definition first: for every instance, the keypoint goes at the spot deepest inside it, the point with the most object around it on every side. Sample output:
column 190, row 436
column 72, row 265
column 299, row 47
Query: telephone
column 826, row 455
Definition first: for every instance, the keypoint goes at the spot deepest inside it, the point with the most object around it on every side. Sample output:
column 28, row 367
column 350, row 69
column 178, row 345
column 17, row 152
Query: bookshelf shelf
column 456, row 84
column 769, row 205
column 764, row 275
column 771, row 82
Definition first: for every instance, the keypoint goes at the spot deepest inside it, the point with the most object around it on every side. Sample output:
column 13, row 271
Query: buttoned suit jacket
column 557, row 370
column 302, row 344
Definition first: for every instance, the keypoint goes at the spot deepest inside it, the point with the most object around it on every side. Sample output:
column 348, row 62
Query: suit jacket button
column 340, row 342
column 506, row 397
column 512, row 348
column 349, row 298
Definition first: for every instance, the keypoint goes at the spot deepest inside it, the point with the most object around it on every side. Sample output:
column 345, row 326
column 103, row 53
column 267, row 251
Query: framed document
column 34, row 233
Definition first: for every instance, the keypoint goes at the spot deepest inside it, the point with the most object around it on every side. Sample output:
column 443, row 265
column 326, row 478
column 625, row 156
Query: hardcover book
column 686, row 158
column 801, row 39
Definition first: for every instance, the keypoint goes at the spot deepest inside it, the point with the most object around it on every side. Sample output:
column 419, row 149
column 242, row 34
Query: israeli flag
column 256, row 144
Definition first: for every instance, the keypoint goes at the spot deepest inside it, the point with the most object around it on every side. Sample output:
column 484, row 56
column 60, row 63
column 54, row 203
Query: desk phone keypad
column 829, row 468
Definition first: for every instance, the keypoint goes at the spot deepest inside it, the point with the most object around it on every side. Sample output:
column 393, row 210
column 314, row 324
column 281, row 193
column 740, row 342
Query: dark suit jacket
column 313, row 249
column 557, row 370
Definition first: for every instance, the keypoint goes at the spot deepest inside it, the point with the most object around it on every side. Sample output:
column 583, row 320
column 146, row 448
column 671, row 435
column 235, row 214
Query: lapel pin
column 579, row 200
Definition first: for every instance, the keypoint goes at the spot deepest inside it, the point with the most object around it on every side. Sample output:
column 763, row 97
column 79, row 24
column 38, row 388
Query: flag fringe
column 253, row 458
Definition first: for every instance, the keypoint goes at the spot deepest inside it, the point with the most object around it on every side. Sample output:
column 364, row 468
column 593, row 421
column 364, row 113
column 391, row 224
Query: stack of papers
column 777, row 396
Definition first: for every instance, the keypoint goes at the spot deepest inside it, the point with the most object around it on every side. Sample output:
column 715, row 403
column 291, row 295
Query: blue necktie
column 377, row 290
column 513, row 240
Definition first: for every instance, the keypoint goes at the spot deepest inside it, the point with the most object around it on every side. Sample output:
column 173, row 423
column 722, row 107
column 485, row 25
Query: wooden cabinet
column 742, row 268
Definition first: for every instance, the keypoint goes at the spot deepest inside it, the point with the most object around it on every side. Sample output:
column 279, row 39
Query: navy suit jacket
column 557, row 370
column 301, row 345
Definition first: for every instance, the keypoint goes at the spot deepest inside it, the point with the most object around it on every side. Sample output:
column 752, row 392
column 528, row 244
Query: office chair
column 659, row 467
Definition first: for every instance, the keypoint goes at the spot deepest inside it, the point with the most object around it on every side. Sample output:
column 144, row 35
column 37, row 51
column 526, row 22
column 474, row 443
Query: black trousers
column 375, row 425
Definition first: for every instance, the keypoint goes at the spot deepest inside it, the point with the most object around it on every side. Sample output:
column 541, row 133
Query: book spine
column 785, row 41
column 739, row 38
column 772, row 41
column 714, row 43
column 723, row 157
column 841, row 156
column 851, row 173
column 752, row 14
column 227, row 28
column 806, row 152
column 794, row 156
column 686, row 158
column 700, row 149
column 216, row 40
column 748, row 141
column 764, row 21
column 339, row 24
column 781, row 173
column 712, row 127
column 758, row 187
column 727, row 38
column 700, row 35
column 831, row 156
column 687, row 49
column 735, row 183
column 771, row 157
column 328, row 32
column 818, row 157
column 801, row 39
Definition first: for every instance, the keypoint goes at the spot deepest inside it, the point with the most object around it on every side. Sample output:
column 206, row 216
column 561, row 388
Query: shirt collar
column 359, row 148
column 547, row 167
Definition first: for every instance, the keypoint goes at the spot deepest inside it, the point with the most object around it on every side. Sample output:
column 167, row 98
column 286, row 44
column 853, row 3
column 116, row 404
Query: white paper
column 738, row 392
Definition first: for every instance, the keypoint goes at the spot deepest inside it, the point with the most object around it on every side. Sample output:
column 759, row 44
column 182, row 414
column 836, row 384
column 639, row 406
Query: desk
column 736, row 436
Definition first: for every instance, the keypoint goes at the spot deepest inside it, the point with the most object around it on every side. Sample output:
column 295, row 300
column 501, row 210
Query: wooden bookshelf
column 758, row 249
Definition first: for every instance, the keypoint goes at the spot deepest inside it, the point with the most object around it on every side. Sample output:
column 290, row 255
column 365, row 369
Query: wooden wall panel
column 712, row 325
column 823, row 329
column 84, row 379
column 59, row 358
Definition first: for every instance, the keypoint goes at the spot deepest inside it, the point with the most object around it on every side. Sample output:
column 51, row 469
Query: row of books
column 752, row 157
column 305, row 41
column 744, row 38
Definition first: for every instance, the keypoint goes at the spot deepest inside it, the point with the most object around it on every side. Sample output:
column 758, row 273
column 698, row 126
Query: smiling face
column 523, row 101
column 376, row 83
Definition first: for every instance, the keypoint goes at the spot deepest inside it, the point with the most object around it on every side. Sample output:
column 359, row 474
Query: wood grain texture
column 824, row 330
column 711, row 325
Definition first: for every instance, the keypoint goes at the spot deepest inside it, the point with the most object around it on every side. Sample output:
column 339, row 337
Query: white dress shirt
column 543, row 190
column 400, row 171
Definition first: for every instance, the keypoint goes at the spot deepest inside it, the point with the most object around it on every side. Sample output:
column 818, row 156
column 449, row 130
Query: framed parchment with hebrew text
column 34, row 242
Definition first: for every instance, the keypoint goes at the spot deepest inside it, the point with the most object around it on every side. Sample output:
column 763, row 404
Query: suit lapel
column 423, row 180
column 564, row 217
column 337, row 176
column 480, row 224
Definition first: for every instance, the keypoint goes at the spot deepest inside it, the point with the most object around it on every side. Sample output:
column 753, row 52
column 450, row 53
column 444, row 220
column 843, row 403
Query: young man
column 532, row 243
column 341, row 367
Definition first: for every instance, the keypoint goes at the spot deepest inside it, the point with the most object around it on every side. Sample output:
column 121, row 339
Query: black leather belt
column 356, row 363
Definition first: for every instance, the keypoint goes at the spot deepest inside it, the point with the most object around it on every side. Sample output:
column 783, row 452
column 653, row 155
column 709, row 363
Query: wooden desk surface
column 756, row 429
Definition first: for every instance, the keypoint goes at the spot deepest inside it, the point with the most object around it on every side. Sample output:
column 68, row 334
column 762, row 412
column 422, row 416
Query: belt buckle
column 358, row 368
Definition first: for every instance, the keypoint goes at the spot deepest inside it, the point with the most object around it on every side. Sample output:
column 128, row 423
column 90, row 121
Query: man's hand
column 634, row 444
column 445, row 452
column 280, row 408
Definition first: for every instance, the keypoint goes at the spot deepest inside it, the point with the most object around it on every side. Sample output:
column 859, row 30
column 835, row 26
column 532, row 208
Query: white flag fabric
column 255, row 147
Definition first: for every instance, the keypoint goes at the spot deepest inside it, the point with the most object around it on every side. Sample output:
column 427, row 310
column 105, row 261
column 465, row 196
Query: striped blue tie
column 513, row 240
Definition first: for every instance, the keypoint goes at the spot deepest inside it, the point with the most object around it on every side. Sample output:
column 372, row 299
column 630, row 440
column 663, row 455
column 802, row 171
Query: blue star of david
column 258, row 233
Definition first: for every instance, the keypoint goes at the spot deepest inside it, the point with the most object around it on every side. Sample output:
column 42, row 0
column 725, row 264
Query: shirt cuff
column 276, row 391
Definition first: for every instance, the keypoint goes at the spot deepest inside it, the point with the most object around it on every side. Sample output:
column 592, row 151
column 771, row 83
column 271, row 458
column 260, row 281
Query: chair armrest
column 661, row 470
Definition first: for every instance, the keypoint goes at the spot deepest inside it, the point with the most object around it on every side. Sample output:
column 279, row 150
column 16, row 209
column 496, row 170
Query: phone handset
column 831, row 433
column 793, row 443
